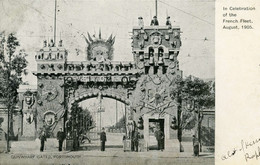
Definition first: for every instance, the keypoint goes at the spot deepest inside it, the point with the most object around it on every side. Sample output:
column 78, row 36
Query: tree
column 81, row 118
column 89, row 119
column 121, row 123
column 12, row 65
column 192, row 96
column 196, row 95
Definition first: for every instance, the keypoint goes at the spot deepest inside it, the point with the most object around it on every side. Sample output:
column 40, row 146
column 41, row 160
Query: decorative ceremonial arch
column 146, row 85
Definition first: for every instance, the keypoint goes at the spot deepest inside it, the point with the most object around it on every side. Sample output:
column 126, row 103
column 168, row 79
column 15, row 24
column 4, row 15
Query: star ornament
column 157, row 97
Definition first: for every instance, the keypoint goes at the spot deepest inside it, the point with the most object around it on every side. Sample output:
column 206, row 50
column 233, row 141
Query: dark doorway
column 154, row 126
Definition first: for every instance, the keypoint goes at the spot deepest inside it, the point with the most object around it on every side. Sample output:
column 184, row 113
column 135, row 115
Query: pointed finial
column 110, row 38
column 99, row 35
column 89, row 37
column 86, row 39
column 113, row 40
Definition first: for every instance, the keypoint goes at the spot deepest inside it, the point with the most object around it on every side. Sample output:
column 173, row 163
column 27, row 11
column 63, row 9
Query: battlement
column 157, row 27
column 51, row 53
column 88, row 67
column 156, row 47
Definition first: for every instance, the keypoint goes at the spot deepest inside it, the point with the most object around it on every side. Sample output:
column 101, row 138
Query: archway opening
column 104, row 112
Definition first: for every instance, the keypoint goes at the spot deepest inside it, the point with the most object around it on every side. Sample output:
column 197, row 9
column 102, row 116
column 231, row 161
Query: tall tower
column 156, row 48
column 51, row 67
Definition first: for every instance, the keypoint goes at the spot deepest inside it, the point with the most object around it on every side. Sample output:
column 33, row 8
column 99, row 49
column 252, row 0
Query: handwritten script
column 250, row 149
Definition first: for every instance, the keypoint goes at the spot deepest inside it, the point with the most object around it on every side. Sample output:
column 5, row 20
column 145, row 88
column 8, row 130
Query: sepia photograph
column 107, row 82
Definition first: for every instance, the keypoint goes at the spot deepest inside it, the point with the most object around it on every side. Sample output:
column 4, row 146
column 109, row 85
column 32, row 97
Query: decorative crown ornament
column 99, row 49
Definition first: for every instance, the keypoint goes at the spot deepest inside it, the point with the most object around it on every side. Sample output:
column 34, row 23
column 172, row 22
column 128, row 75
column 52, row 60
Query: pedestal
column 127, row 145
column 69, row 145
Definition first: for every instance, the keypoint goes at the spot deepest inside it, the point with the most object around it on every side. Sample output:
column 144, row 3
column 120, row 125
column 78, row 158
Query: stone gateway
column 146, row 85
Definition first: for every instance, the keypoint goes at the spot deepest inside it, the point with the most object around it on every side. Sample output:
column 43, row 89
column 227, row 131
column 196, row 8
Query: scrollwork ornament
column 50, row 92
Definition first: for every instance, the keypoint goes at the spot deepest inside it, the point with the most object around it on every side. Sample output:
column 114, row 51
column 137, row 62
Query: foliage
column 120, row 124
column 193, row 95
column 83, row 116
column 200, row 92
column 207, row 136
column 12, row 64
column 90, row 123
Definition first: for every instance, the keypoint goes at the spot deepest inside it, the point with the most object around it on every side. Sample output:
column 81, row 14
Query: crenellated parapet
column 51, row 58
column 94, row 66
column 156, row 48
column 86, row 68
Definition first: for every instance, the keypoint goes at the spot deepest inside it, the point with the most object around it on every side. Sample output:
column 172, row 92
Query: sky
column 33, row 21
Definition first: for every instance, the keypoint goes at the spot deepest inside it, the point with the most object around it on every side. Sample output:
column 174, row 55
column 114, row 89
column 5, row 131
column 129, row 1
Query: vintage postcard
column 129, row 82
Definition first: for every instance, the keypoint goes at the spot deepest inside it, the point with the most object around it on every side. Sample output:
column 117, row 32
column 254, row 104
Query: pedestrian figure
column 61, row 136
column 160, row 139
column 43, row 139
column 168, row 22
column 154, row 21
column 68, row 126
column 195, row 146
column 103, row 139
column 136, row 141
column 140, row 22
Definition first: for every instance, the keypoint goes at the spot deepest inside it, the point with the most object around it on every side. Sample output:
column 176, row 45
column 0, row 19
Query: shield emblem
column 49, row 118
column 156, row 39
column 29, row 100
column 29, row 118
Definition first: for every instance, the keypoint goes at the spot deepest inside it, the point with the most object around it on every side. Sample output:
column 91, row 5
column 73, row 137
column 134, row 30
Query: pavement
column 107, row 157
column 28, row 153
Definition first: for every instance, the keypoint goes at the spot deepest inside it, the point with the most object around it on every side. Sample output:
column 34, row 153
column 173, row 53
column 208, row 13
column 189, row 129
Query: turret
column 51, row 58
column 156, row 47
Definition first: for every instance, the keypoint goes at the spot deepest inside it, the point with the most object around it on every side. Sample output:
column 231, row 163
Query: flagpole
column 116, row 112
column 156, row 8
column 55, row 13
